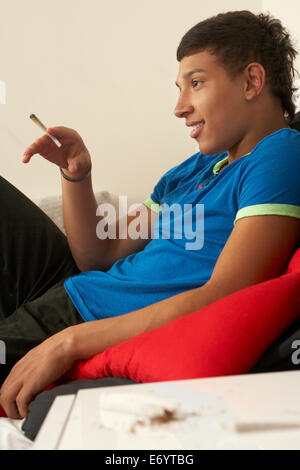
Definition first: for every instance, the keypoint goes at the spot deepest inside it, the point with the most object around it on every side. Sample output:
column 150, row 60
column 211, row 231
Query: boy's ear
column 255, row 80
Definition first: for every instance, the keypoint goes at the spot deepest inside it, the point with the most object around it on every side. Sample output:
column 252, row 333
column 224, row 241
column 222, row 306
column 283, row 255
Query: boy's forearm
column 94, row 337
column 80, row 220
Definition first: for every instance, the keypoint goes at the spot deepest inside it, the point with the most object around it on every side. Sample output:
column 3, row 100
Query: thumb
column 76, row 166
column 72, row 165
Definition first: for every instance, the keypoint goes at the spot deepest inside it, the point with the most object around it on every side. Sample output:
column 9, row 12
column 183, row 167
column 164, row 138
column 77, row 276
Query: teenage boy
column 235, row 92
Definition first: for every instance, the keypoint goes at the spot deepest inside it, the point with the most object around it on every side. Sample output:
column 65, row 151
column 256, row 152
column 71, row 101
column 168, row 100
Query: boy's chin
column 209, row 149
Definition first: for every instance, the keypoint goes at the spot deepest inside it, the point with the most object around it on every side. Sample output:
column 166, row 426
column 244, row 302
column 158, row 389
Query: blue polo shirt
column 198, row 206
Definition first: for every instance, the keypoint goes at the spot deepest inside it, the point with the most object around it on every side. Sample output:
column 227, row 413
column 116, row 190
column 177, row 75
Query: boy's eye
column 196, row 81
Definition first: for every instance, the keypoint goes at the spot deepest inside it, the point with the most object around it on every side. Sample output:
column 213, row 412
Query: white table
column 265, row 408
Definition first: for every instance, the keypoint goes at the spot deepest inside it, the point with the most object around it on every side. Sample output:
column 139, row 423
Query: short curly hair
column 238, row 38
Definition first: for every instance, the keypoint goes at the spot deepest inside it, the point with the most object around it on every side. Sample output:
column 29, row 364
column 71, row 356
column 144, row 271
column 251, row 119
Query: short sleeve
column 160, row 188
column 269, row 182
column 156, row 198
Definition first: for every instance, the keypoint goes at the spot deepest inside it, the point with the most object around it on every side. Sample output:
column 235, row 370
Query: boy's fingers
column 22, row 401
column 8, row 403
column 25, row 158
column 29, row 152
column 45, row 143
column 40, row 145
column 64, row 134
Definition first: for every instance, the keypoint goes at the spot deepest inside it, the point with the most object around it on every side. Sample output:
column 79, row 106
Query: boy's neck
column 261, row 129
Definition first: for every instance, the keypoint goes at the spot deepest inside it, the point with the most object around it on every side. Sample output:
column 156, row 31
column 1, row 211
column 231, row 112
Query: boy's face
column 213, row 97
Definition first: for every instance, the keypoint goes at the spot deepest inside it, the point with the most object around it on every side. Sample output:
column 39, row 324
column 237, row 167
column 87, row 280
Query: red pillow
column 294, row 263
column 224, row 338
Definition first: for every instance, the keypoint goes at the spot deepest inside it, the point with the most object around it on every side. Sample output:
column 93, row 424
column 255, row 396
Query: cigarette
column 44, row 128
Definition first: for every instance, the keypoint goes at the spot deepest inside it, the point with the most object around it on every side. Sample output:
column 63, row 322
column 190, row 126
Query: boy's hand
column 73, row 155
column 40, row 367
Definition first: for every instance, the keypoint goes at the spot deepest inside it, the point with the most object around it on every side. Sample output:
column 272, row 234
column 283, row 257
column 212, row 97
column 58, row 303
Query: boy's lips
column 197, row 129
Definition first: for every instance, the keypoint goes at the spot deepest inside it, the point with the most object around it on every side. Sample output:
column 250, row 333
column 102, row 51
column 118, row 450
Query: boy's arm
column 258, row 249
column 81, row 219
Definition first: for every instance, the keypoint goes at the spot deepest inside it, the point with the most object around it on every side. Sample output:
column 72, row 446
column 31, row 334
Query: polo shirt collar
column 219, row 165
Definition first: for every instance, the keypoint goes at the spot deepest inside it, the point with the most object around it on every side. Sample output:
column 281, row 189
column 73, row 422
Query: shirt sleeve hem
column 269, row 209
column 152, row 205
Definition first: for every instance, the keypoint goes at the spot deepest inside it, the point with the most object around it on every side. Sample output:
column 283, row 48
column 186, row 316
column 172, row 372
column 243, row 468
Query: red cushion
column 294, row 263
column 224, row 338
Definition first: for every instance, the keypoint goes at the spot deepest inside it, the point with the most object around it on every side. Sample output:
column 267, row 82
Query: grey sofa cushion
column 52, row 205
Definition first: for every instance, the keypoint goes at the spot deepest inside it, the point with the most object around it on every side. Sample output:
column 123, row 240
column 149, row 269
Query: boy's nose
column 182, row 109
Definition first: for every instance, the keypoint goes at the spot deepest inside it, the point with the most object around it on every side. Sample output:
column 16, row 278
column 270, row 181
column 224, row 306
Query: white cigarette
column 44, row 128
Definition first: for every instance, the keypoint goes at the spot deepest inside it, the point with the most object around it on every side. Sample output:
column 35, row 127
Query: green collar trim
column 217, row 167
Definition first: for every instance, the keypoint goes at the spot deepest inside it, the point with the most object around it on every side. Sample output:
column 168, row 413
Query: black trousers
column 35, row 259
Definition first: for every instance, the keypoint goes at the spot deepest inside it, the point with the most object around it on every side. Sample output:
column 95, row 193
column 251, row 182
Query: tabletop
column 251, row 411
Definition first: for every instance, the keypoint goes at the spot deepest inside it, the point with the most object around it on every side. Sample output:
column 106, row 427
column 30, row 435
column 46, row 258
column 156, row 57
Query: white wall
column 288, row 12
column 107, row 69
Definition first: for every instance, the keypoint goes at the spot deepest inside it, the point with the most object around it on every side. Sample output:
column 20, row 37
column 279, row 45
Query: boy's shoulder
column 279, row 150
column 274, row 162
column 284, row 141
